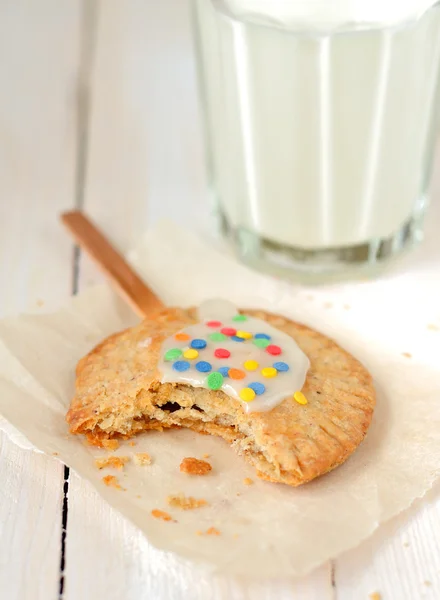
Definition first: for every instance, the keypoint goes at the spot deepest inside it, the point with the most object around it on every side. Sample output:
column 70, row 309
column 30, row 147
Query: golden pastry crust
column 112, row 462
column 194, row 466
column 119, row 394
column 186, row 502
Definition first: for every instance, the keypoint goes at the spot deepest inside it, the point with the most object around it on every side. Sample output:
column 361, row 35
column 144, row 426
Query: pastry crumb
column 142, row 458
column 40, row 302
column 186, row 502
column 205, row 456
column 55, row 453
column 138, row 496
column 161, row 514
column 110, row 444
column 210, row 531
column 111, row 481
column 433, row 327
column 132, row 443
column 248, row 481
column 427, row 583
column 375, row 596
column 407, row 354
column 112, row 462
column 194, row 466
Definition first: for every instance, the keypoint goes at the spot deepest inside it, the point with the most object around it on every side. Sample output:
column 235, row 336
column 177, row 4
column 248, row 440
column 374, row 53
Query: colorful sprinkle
column 268, row 372
column 281, row 366
column 222, row 353
column 203, row 366
column 215, row 380
column 251, row 365
column 181, row 337
column 190, row 353
column 181, row 365
column 259, row 388
column 247, row 394
column 262, row 336
column 274, row 350
column 236, row 374
column 213, row 324
column 224, row 371
column 228, row 331
column 240, row 318
column 235, row 338
column 261, row 342
column 246, row 335
column 217, row 337
column 198, row 344
column 172, row 354
column 300, row 398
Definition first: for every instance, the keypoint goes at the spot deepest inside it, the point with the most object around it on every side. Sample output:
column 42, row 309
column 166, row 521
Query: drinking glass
column 319, row 144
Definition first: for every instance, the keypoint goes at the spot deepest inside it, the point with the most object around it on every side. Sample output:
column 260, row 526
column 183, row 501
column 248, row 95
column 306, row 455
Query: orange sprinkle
column 181, row 337
column 236, row 374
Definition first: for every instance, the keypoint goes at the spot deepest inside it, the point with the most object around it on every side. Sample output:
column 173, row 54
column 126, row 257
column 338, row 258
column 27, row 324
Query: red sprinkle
column 214, row 324
column 228, row 331
column 222, row 353
column 274, row 350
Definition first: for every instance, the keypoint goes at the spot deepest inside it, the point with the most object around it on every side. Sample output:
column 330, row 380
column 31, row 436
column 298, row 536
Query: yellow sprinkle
column 300, row 398
column 247, row 394
column 250, row 365
column 244, row 334
column 268, row 372
column 190, row 353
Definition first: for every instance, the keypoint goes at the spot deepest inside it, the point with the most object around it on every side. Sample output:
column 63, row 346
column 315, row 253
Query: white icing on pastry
column 245, row 357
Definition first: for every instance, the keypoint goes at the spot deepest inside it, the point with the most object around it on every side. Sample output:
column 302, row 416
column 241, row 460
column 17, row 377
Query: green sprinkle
column 217, row 337
column 240, row 318
column 261, row 343
column 215, row 380
column 172, row 354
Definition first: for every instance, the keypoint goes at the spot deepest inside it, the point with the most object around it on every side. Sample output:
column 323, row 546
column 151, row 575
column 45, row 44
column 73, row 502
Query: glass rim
column 348, row 28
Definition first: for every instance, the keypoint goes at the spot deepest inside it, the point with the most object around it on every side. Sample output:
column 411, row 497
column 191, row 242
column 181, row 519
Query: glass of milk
column 321, row 119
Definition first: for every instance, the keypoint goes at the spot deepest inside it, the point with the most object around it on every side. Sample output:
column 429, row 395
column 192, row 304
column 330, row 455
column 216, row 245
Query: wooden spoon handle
column 126, row 282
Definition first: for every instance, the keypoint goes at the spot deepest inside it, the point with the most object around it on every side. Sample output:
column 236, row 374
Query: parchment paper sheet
column 266, row 529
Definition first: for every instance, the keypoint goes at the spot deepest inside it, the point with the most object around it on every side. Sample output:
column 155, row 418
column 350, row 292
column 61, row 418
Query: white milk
column 319, row 137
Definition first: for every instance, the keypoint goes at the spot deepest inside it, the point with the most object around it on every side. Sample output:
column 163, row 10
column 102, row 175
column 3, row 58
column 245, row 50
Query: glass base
column 323, row 264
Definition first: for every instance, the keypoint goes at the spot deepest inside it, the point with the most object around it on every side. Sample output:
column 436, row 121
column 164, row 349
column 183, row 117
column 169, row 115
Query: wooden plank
column 38, row 67
column 144, row 166
column 145, row 158
column 30, row 522
column 143, row 65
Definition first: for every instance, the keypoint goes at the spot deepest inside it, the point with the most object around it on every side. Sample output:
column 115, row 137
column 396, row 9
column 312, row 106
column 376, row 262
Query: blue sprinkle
column 262, row 336
column 258, row 388
column 224, row 371
column 181, row 365
column 203, row 366
column 281, row 366
column 235, row 338
column 198, row 344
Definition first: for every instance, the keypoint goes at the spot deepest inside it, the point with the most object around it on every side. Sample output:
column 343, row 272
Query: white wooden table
column 98, row 110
